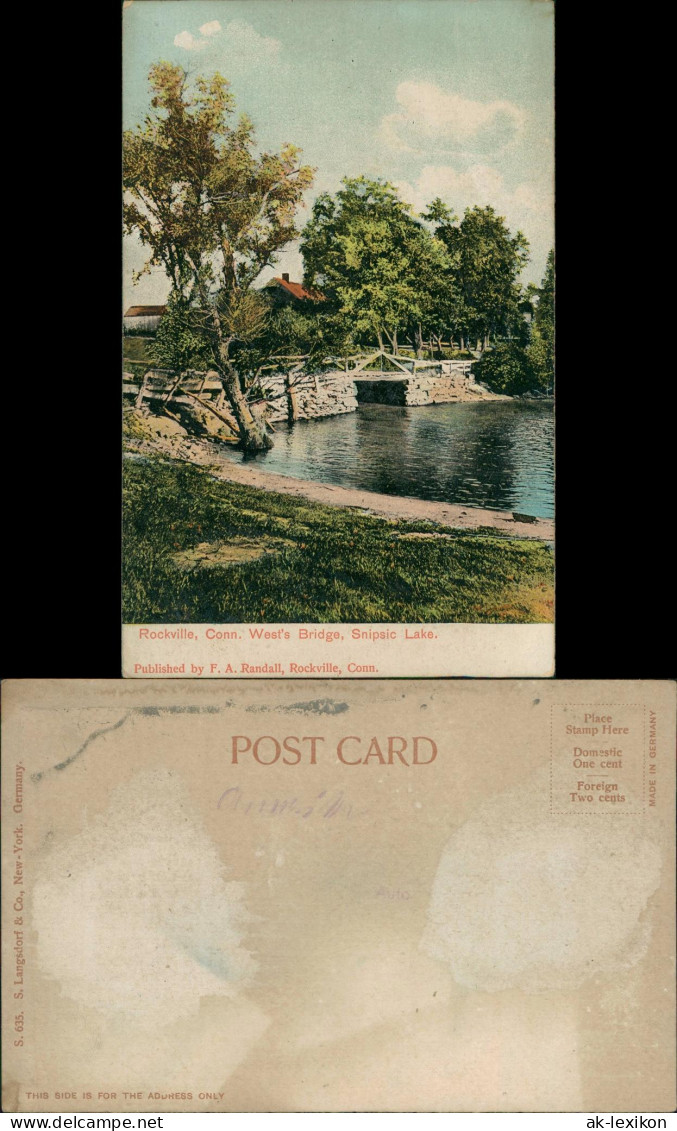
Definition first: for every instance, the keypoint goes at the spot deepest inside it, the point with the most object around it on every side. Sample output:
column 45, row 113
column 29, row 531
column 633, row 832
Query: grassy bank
column 199, row 550
column 136, row 349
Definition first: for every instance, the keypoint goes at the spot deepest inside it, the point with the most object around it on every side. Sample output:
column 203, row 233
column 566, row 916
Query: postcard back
column 379, row 896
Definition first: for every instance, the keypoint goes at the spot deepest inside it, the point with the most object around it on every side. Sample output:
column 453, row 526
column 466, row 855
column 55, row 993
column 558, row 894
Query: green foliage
column 337, row 565
column 487, row 262
column 376, row 264
column 541, row 349
column 541, row 359
column 507, row 369
column 315, row 332
column 178, row 344
column 389, row 273
column 136, row 349
column 133, row 424
column 212, row 213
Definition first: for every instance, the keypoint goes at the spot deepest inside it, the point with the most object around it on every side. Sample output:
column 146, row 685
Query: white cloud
column 237, row 39
column 188, row 41
column 212, row 28
column 480, row 184
column 244, row 40
column 528, row 207
column 431, row 119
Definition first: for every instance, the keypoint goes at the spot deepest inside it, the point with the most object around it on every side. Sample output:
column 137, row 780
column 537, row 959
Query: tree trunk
column 292, row 399
column 418, row 339
column 379, row 335
column 253, row 438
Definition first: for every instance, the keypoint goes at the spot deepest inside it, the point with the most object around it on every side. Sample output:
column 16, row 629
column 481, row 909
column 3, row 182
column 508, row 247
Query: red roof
column 299, row 291
column 145, row 311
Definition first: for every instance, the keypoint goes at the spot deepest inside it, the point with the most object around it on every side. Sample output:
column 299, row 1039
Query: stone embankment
column 286, row 397
column 308, row 396
column 311, row 396
column 423, row 387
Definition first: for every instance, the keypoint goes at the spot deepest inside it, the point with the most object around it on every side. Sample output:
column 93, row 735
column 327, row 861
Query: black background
column 615, row 407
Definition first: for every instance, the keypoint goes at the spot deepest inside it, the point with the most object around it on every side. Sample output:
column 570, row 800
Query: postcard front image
column 338, row 338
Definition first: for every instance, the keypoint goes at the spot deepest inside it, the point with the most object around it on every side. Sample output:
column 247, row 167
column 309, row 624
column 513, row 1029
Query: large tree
column 487, row 263
column 212, row 213
column 542, row 346
column 375, row 262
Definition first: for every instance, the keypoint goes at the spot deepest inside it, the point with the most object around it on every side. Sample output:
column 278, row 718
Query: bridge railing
column 166, row 384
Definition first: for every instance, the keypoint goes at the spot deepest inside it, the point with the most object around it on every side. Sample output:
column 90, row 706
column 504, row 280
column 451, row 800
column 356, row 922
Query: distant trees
column 212, row 213
column 393, row 273
column 487, row 263
column 514, row 367
column 377, row 265
column 542, row 345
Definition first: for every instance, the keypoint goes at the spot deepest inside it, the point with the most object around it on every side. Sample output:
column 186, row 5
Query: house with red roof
column 284, row 292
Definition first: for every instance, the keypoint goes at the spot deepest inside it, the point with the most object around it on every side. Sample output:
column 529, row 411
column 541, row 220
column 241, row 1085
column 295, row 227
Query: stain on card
column 135, row 915
column 312, row 707
column 522, row 900
column 81, row 749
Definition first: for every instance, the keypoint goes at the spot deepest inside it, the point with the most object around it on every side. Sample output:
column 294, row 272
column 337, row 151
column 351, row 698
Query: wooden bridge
column 193, row 385
column 281, row 378
column 404, row 364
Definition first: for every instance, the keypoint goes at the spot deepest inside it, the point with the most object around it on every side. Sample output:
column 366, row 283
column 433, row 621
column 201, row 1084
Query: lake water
column 496, row 454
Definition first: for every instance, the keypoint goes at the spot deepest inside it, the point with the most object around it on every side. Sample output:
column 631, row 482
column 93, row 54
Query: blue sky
column 450, row 98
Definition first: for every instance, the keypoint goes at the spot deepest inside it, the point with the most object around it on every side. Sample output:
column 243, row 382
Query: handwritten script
column 324, row 806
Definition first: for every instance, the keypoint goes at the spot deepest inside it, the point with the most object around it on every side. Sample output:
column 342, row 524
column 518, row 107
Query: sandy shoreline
column 453, row 515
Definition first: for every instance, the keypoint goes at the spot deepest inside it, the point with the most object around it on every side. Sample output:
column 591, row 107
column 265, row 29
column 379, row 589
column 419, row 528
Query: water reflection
column 495, row 454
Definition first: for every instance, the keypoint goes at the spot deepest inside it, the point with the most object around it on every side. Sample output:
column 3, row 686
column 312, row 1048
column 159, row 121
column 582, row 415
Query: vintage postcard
column 395, row 896
column 338, row 338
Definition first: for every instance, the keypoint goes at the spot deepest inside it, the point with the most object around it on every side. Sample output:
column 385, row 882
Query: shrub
column 540, row 353
column 507, row 369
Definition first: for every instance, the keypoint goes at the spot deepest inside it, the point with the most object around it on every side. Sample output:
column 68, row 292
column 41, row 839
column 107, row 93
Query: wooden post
column 168, row 396
column 292, row 399
column 139, row 396
column 210, row 408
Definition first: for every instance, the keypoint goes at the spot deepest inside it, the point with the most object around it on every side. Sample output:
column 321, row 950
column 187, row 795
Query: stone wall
column 310, row 396
column 307, row 396
column 425, row 386
column 433, row 387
